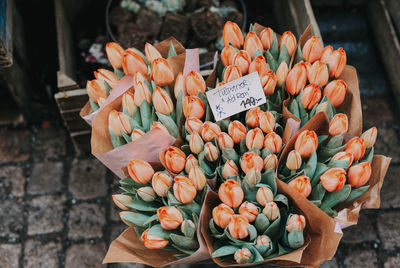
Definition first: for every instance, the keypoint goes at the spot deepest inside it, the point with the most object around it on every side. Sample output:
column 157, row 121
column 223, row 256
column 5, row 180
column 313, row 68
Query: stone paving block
column 87, row 179
column 392, row 262
column 388, row 228
column 390, row 197
column 12, row 181
column 86, row 221
column 45, row 214
column 9, row 255
column 330, row 264
column 11, row 215
column 86, row 255
column 116, row 230
column 362, row 232
column 387, row 143
column 371, row 117
column 133, row 265
column 14, row 145
column 361, row 258
column 46, row 178
column 39, row 254
column 50, row 144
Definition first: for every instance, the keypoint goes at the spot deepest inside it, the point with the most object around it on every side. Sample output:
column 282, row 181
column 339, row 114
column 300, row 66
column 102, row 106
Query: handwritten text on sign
column 236, row 96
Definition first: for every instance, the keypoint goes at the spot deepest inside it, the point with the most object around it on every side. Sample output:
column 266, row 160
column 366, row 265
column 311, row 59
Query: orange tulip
column 296, row 223
column 258, row 65
column 224, row 140
column 249, row 211
column 318, row 73
column 232, row 34
column 231, row 72
column 267, row 37
column 128, row 102
column 252, row 117
column 209, row 130
column 179, row 84
column 267, row 121
column 196, row 175
column 222, row 215
column 271, row 161
column 252, row 43
column 251, row 160
column 310, row 96
column 369, row 137
column 237, row 131
column 133, row 62
column 153, row 242
column 193, row 124
column 96, row 90
column 302, row 185
column 161, row 72
column 136, row 134
column 211, row 152
column 191, row 162
column 119, row 122
column 142, row 92
column 306, row 143
column 268, row 82
column 160, row 126
column 264, row 196
column 140, row 171
column 255, row 138
column 220, row 84
column 338, row 124
column 344, row 156
column 175, row 159
column 312, row 49
column 296, row 78
column 193, row 106
column 184, row 189
column 104, row 75
column 336, row 92
column 138, row 77
column 238, row 227
column 151, row 52
column 326, row 54
column 359, row 174
column 242, row 59
column 229, row 169
column 162, row 101
column 271, row 211
column 294, row 160
column 227, row 55
column 161, row 182
column 289, row 41
column 336, row 59
column 195, row 83
column 170, row 217
column 356, row 146
column 114, row 54
column 281, row 73
column 230, row 193
column 196, row 143
column 333, row 179
column 273, row 142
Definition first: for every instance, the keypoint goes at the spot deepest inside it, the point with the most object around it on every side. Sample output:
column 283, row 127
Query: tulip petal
column 169, row 124
column 224, row 251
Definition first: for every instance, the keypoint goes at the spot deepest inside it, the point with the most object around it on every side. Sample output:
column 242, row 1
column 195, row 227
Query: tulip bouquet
column 99, row 89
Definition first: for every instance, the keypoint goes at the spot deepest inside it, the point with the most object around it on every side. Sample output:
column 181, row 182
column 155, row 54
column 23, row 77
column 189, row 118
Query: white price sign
column 237, row 96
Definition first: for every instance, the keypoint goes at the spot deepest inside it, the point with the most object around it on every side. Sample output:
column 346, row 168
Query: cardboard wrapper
column 348, row 215
column 88, row 114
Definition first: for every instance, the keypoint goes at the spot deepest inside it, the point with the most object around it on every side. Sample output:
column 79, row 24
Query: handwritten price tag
column 237, row 96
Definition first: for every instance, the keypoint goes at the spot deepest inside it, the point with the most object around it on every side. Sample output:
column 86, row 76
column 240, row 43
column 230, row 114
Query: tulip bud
column 306, row 143
column 296, row 223
column 191, row 162
column 255, row 138
column 222, row 215
column 179, row 84
column 133, row 62
column 253, row 176
column 263, row 240
column 142, row 93
column 252, row 117
column 326, row 53
column 196, row 175
column 336, row 59
column 161, row 182
column 258, row 65
column 242, row 59
column 121, row 200
column 153, row 242
column 229, row 169
column 170, row 217
column 140, row 171
column 211, row 152
column 209, row 130
column 273, row 142
column 96, row 90
column 296, row 78
column 146, row 193
column 196, row 143
column 136, row 134
column 193, row 124
column 138, row 77
column 356, row 146
column 224, row 140
column 293, row 161
column 339, row 124
column 310, row 96
column 237, row 131
column 128, row 103
column 359, row 174
column 249, row 211
column 333, row 179
column 193, row 106
column 161, row 72
column 151, row 52
column 230, row 193
column 114, row 54
column 287, row 39
column 119, row 122
column 344, row 156
column 264, row 196
column 336, row 92
column 318, row 73
column 251, row 160
column 195, row 83
column 231, row 72
column 302, row 185
column 267, row 37
column 369, row 137
column 104, row 75
column 312, row 49
column 243, row 256
column 252, row 43
column 238, row 227
column 184, row 189
column 160, row 126
column 281, row 73
column 227, row 55
column 268, row 82
column 271, row 211
column 188, row 228
column 271, row 161
column 232, row 34
column 267, row 121
column 162, row 101
column 220, row 84
column 175, row 159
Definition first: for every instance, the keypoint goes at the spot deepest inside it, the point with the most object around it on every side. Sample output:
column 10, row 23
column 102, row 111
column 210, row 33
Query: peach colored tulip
column 160, row 126
column 296, row 78
column 356, row 146
column 196, row 175
column 242, row 59
column 252, row 117
column 224, row 140
column 344, row 156
column 161, row 72
column 232, row 34
column 162, row 101
column 238, row 227
column 96, row 90
column 140, row 171
column 231, row 72
column 264, row 195
column 193, row 106
column 339, row 124
column 114, row 54
column 220, row 84
column 191, row 161
column 146, row 193
column 336, row 59
column 161, row 182
column 230, row 193
column 263, row 240
column 267, row 37
column 326, row 54
column 211, row 152
column 271, row 161
column 273, row 142
column 312, row 49
column 237, row 131
column 184, row 189
column 252, row 43
column 251, row 160
column 293, row 161
column 271, row 211
column 359, row 174
column 195, row 83
column 318, row 73
column 196, row 143
column 133, row 62
column 255, row 138
column 369, row 137
column 138, row 77
column 333, row 179
column 243, row 256
column 193, row 124
column 267, row 121
column 268, row 82
column 119, row 122
column 306, row 143
column 104, row 75
column 151, row 52
column 136, row 134
column 310, row 96
column 281, row 73
column 229, row 169
column 302, row 185
column 170, row 217
column 128, row 102
column 249, row 211
column 289, row 41
column 121, row 200
column 222, row 215
column 227, row 55
column 336, row 91
column 142, row 92
column 179, row 84
column 153, row 242
column 209, row 130
column 296, row 223
column 258, row 65
column 175, row 159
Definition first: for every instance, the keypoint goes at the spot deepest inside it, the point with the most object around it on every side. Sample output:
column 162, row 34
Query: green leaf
column 274, row 49
column 261, row 223
column 230, row 154
column 370, row 156
column 284, row 56
column 191, row 207
column 142, row 205
column 273, row 229
column 321, row 139
column 335, row 141
column 93, row 105
column 320, row 169
column 299, row 54
column 318, row 192
column 295, row 239
column 119, row 73
column 273, row 64
column 324, row 154
column 311, row 165
column 158, row 231
column 145, row 114
column 355, row 194
column 184, row 242
column 224, row 251
column 294, row 108
column 282, row 199
column 137, row 219
column 179, row 109
column 338, row 164
column 268, row 178
column 331, row 212
column 151, row 219
column 116, row 140
column 108, row 87
column 171, row 51
column 126, row 137
column 331, row 199
column 256, row 53
column 169, row 124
